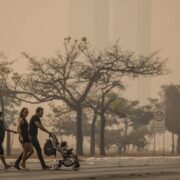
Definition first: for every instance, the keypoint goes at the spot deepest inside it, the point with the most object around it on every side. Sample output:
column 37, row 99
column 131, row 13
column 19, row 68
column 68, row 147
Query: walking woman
column 3, row 128
column 24, row 137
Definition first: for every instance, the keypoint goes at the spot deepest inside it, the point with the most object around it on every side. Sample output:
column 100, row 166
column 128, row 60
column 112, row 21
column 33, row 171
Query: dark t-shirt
column 33, row 129
column 2, row 130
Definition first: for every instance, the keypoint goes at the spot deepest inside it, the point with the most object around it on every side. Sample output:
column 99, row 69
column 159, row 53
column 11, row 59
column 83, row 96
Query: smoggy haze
column 39, row 27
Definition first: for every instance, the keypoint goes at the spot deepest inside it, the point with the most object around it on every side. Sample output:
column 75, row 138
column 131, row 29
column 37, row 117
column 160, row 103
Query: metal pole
column 154, row 148
column 163, row 143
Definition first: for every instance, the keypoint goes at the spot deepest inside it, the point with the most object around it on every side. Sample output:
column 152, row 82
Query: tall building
column 101, row 23
column 144, row 45
column 89, row 18
column 81, row 19
column 104, row 21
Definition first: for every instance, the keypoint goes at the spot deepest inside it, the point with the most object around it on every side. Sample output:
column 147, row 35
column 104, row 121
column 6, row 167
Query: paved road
column 163, row 172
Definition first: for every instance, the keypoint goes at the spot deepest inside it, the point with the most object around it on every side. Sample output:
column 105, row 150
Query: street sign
column 159, row 121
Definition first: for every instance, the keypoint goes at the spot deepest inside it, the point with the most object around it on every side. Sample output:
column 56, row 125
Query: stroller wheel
column 76, row 167
column 56, row 167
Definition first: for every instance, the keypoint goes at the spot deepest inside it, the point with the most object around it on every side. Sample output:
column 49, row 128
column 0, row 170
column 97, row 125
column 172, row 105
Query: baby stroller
column 69, row 159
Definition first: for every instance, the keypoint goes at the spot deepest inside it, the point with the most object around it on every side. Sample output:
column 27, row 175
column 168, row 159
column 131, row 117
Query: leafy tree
column 8, row 104
column 131, row 115
column 62, row 121
column 115, row 138
column 138, row 137
column 171, row 103
column 100, row 103
column 141, row 116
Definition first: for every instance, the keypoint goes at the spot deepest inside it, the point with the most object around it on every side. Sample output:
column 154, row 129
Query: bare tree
column 72, row 74
column 93, row 133
column 60, row 118
column 100, row 101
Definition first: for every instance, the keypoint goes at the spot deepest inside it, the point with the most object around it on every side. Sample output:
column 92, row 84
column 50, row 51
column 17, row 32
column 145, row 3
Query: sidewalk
column 120, row 161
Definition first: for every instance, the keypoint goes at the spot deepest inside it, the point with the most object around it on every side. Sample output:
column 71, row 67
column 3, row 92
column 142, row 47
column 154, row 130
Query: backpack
column 48, row 148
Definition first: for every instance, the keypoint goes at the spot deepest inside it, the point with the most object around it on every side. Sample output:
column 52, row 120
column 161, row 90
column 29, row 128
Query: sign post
column 159, row 125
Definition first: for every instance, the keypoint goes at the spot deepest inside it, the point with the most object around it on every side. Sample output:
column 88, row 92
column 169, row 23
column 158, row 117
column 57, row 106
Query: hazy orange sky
column 39, row 27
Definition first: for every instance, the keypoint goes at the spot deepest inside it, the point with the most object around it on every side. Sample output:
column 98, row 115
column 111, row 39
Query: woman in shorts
column 24, row 137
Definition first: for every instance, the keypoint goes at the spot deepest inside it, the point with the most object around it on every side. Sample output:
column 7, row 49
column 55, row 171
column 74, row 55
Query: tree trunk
column 79, row 135
column 125, row 134
column 8, row 142
column 124, row 148
column 120, row 149
column 92, row 140
column 102, row 134
column 178, row 144
column 173, row 144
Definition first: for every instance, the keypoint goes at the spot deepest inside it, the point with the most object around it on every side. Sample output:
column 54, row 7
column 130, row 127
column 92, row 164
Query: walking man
column 34, row 125
column 3, row 128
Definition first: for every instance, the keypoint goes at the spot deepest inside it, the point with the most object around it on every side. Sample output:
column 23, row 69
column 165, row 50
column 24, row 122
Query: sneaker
column 46, row 167
column 24, row 168
column 17, row 167
column 8, row 166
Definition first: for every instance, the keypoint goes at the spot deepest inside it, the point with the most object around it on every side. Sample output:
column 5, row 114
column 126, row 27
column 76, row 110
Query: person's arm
column 7, row 128
column 19, row 129
column 10, row 130
column 40, row 126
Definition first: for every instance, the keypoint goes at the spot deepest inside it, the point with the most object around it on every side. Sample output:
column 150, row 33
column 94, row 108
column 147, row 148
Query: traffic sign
column 159, row 121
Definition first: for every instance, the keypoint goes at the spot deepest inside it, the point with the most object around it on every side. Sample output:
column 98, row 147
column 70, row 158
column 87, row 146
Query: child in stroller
column 68, row 157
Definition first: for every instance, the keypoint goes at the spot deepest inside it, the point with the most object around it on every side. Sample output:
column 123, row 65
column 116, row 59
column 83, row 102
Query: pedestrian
column 3, row 128
column 34, row 125
column 24, row 137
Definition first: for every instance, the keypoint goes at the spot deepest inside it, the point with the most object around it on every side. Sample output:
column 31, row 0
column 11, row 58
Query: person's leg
column 25, row 153
column 37, row 147
column 17, row 162
column 3, row 159
column 6, row 166
column 30, row 151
